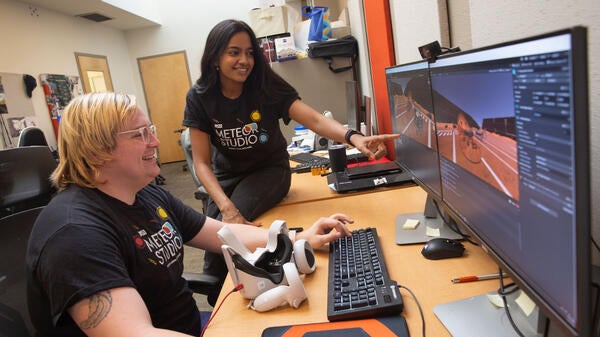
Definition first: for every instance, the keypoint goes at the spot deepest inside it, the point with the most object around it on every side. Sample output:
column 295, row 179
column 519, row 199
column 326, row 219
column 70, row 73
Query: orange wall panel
column 381, row 55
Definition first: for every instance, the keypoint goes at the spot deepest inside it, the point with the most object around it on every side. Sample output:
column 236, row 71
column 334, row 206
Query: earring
column 217, row 67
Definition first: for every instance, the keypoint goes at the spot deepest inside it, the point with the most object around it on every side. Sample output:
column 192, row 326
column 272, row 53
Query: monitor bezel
column 437, row 197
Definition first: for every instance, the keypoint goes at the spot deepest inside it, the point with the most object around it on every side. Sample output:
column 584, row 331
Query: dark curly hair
column 263, row 80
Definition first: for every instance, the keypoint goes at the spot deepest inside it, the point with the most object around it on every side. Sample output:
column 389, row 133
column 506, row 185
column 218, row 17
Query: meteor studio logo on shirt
column 242, row 137
column 165, row 244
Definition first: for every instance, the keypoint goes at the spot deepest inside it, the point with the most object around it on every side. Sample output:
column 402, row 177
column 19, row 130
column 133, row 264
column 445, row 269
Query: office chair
column 198, row 282
column 25, row 178
column 186, row 146
column 32, row 135
column 14, row 315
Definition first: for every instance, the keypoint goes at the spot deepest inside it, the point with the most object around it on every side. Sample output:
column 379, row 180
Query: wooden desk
column 429, row 280
column 305, row 187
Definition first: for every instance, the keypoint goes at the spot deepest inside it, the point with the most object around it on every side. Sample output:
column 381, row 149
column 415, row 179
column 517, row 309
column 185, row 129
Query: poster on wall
column 17, row 124
column 59, row 90
column 3, row 108
column 16, row 109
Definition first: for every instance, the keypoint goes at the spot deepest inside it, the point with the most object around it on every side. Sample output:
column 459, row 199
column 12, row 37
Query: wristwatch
column 349, row 134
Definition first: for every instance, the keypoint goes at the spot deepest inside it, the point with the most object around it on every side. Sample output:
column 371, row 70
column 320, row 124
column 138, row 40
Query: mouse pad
column 392, row 326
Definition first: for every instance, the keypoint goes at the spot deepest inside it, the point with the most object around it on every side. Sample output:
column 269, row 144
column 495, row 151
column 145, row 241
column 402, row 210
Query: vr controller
column 270, row 275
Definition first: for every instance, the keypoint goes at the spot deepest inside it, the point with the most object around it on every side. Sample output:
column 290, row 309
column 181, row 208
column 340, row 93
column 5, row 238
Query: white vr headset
column 270, row 275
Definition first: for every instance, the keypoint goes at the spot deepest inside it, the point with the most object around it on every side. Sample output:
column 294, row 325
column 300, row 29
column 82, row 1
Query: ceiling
column 121, row 19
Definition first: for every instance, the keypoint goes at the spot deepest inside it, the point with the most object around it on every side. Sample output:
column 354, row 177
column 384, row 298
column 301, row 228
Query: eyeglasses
column 144, row 132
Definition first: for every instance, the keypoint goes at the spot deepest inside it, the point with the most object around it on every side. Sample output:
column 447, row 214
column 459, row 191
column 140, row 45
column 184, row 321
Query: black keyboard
column 359, row 283
column 305, row 157
column 308, row 161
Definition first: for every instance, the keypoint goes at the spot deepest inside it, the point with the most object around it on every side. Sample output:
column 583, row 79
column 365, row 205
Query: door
column 94, row 72
column 166, row 81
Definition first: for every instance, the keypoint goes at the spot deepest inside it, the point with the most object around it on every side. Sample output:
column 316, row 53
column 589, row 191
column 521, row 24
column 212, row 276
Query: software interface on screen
column 505, row 127
column 412, row 118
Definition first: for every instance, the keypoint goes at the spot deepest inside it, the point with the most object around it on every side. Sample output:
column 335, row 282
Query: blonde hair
column 87, row 135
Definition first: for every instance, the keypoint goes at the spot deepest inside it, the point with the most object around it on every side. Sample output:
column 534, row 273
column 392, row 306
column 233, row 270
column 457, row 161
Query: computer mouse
column 441, row 248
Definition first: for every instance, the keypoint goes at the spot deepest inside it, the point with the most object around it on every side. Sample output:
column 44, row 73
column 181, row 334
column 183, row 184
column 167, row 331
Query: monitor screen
column 512, row 123
column 411, row 110
column 416, row 150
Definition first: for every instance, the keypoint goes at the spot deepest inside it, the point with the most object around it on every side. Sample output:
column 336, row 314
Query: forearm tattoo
column 99, row 306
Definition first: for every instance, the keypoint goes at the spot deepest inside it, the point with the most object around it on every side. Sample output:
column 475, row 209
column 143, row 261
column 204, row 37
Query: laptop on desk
column 368, row 177
column 369, row 170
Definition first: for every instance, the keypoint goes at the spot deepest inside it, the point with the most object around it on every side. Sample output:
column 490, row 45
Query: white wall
column 416, row 23
column 34, row 45
column 147, row 9
column 357, row 29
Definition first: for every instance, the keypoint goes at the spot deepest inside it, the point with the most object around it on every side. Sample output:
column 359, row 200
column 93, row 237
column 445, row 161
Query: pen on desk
column 476, row 278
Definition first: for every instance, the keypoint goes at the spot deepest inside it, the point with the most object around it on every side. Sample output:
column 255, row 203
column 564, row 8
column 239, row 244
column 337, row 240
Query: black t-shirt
column 244, row 134
column 85, row 241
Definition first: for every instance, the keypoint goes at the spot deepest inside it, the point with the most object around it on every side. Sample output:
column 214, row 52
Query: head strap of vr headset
column 270, row 264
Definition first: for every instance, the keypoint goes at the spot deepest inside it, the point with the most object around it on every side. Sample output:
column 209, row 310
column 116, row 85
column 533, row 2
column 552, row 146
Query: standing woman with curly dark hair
column 233, row 112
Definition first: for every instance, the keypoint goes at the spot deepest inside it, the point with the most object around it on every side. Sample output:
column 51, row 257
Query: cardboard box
column 268, row 21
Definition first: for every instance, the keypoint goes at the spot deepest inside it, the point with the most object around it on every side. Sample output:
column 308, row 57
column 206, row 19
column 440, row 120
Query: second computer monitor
column 412, row 117
column 411, row 110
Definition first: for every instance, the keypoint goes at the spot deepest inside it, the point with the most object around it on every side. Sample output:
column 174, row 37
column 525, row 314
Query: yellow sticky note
column 525, row 303
column 496, row 300
column 410, row 224
column 435, row 232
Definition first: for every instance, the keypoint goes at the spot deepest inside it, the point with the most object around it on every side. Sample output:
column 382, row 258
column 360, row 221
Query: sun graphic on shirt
column 161, row 213
column 255, row 116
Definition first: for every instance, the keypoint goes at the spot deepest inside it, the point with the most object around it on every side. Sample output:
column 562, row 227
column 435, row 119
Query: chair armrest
column 201, row 283
column 202, row 195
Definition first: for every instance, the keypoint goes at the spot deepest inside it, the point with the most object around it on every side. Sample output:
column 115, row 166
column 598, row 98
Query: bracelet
column 349, row 134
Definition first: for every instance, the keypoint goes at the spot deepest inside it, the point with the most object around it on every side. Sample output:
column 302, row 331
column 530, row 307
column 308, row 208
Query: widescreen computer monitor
column 416, row 150
column 512, row 123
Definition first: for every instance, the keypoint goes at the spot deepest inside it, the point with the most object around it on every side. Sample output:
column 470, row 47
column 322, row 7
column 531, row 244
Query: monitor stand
column 477, row 316
column 429, row 218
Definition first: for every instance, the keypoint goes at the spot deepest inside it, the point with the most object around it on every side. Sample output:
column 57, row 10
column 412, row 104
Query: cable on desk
column 418, row 306
column 236, row 288
column 505, row 290
column 453, row 227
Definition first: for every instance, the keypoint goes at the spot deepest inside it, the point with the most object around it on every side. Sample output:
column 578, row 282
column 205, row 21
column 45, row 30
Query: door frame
column 91, row 62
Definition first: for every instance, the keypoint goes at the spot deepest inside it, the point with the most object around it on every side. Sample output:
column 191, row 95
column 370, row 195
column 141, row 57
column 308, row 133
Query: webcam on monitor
column 432, row 50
